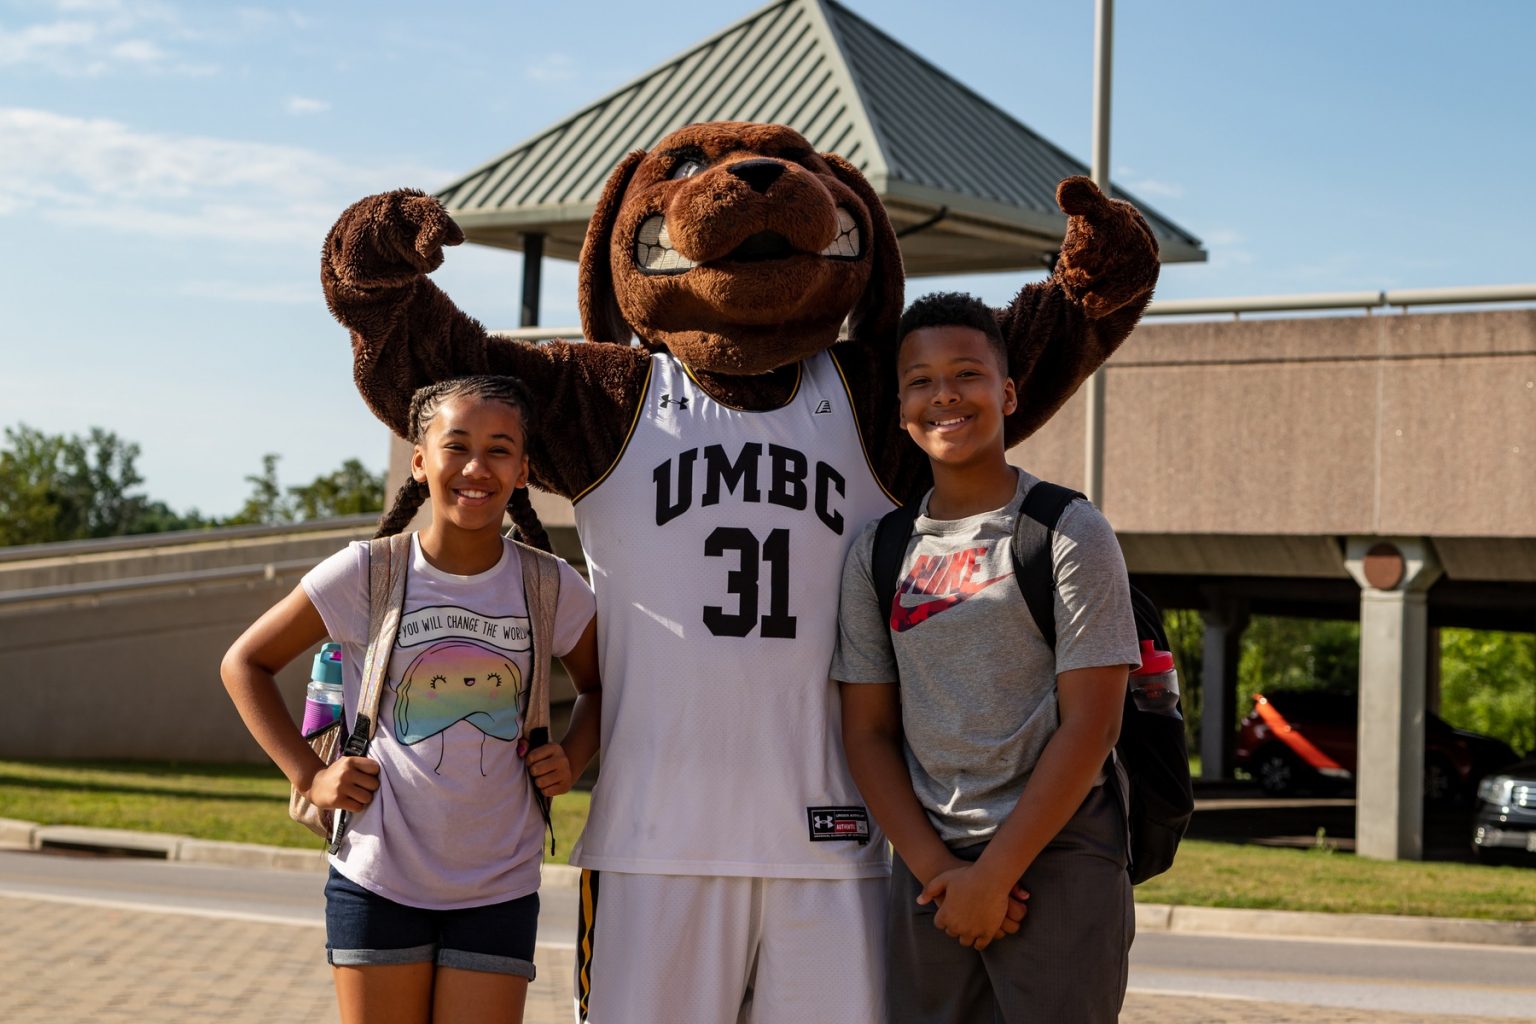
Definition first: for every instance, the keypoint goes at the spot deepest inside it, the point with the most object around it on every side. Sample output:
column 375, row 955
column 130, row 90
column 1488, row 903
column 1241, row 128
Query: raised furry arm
column 1062, row 329
column 406, row 332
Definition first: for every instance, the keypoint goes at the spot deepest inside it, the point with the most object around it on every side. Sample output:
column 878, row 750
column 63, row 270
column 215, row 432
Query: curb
column 27, row 835
column 1150, row 917
column 1163, row 917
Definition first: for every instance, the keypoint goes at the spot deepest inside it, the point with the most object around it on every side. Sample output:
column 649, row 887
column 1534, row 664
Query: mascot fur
column 734, row 253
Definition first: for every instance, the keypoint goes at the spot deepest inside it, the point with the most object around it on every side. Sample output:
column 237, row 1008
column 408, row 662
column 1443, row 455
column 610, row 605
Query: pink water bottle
column 1155, row 685
column 322, row 700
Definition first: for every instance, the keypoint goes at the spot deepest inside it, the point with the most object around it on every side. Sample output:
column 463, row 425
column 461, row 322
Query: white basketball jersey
column 716, row 545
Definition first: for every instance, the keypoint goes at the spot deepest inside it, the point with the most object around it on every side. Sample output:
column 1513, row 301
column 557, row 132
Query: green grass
column 249, row 805
column 235, row 803
column 1209, row 874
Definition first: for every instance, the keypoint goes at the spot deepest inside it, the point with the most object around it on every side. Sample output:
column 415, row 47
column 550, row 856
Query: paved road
column 88, row 940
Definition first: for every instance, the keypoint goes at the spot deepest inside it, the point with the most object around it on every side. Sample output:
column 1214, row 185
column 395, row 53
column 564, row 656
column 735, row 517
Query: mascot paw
column 1109, row 257
column 1078, row 196
column 388, row 239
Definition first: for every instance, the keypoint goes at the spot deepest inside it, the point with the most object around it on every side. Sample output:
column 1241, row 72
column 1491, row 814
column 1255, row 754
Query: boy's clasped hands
column 976, row 907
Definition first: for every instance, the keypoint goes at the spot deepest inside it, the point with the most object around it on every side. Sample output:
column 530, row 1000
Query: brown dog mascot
column 720, row 470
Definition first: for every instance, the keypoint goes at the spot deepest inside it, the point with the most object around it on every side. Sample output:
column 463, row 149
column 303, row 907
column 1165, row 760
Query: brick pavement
column 63, row 963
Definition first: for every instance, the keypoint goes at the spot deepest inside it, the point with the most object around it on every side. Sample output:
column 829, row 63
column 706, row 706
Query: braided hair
column 510, row 392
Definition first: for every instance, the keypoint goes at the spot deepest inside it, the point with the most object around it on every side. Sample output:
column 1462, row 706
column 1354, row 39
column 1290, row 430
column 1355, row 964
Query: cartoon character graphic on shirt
column 457, row 677
column 946, row 579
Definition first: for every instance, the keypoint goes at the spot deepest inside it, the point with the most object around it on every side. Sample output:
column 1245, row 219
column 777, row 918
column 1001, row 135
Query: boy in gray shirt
column 980, row 750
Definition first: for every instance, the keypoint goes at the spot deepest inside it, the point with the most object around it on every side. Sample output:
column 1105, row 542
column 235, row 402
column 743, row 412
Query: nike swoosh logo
column 904, row 618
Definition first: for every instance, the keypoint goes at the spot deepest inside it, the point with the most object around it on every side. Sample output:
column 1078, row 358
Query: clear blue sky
column 170, row 168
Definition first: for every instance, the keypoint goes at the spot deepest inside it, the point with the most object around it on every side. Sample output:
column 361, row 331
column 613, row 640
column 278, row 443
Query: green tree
column 57, row 487
column 158, row 517
column 1186, row 638
column 95, row 488
column 350, row 490
column 1297, row 654
column 266, row 505
column 29, row 463
column 1488, row 683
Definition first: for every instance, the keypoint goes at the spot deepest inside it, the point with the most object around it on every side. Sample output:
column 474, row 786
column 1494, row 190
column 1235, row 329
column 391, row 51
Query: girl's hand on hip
column 551, row 769
column 348, row 784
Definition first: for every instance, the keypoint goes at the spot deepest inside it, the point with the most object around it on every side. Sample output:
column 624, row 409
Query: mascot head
column 740, row 250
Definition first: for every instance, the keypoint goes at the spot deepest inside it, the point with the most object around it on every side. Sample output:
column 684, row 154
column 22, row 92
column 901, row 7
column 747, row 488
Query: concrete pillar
column 533, row 266
column 1432, row 671
column 1394, row 580
column 1225, row 619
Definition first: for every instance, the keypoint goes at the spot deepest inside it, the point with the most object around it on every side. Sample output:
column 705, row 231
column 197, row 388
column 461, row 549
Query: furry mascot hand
column 387, row 240
column 1103, row 235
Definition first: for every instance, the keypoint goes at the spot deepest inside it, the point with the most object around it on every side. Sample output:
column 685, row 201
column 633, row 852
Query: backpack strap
column 389, row 559
column 541, row 595
column 1034, row 565
column 891, row 538
column 389, row 562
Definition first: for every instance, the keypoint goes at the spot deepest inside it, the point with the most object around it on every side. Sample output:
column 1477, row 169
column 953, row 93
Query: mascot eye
column 686, row 168
column 494, row 676
column 436, row 680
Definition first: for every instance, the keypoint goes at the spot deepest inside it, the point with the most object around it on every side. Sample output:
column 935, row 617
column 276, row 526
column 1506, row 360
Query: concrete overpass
column 1372, row 467
column 1379, row 467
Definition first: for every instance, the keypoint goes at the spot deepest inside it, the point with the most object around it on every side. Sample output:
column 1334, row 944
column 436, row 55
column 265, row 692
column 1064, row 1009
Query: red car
column 1306, row 740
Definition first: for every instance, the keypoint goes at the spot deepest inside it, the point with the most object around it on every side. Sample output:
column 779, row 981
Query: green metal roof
column 925, row 142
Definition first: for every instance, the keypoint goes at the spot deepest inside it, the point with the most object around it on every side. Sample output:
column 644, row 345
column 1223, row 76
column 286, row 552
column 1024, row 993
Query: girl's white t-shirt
column 454, row 823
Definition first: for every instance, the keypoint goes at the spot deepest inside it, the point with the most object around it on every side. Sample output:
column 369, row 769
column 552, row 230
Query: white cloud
column 1151, row 187
column 251, row 18
column 138, row 51
column 553, row 68
column 1134, row 181
column 41, row 44
column 104, row 174
column 96, row 37
column 305, row 105
column 1227, row 249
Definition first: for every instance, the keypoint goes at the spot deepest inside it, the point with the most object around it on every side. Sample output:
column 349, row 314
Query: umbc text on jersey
column 792, row 481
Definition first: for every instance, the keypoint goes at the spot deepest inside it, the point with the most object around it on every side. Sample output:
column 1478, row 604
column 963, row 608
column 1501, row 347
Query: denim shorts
column 364, row 929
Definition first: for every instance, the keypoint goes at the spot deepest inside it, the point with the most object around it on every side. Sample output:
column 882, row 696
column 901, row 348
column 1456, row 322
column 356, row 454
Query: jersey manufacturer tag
column 838, row 824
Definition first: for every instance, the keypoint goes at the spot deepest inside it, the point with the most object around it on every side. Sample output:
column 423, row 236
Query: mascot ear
column 601, row 318
column 876, row 314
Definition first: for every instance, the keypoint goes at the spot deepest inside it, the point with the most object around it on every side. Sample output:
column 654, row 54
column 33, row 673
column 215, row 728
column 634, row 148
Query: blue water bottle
column 322, row 700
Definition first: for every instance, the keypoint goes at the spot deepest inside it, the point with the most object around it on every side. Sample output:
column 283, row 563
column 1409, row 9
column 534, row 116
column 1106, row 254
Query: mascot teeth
column 654, row 253
column 846, row 243
column 653, row 249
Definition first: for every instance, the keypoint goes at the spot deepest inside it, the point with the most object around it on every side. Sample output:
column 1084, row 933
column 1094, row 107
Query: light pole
column 1093, row 431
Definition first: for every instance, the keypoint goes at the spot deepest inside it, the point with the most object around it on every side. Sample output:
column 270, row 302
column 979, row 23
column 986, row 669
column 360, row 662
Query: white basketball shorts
column 686, row 949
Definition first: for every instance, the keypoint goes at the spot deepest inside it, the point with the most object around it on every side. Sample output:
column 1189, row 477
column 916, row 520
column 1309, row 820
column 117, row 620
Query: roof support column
column 1394, row 582
column 1093, row 428
column 1225, row 619
column 533, row 266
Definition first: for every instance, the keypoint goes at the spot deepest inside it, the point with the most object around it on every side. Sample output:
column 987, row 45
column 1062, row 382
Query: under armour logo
column 823, row 408
column 681, row 403
column 838, row 825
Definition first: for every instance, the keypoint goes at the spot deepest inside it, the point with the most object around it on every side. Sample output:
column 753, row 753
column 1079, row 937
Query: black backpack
column 1151, row 745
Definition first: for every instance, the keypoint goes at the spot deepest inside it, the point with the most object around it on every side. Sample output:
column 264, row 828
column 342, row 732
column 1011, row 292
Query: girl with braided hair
column 432, row 901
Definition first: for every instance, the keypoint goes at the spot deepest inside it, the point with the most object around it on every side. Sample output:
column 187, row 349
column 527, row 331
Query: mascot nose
column 760, row 174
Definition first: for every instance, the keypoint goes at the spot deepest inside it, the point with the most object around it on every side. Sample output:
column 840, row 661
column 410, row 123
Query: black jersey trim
column 645, row 394
column 799, row 376
column 586, row 923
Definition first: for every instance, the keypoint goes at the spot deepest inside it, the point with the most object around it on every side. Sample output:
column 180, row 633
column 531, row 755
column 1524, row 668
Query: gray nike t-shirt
column 978, row 682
